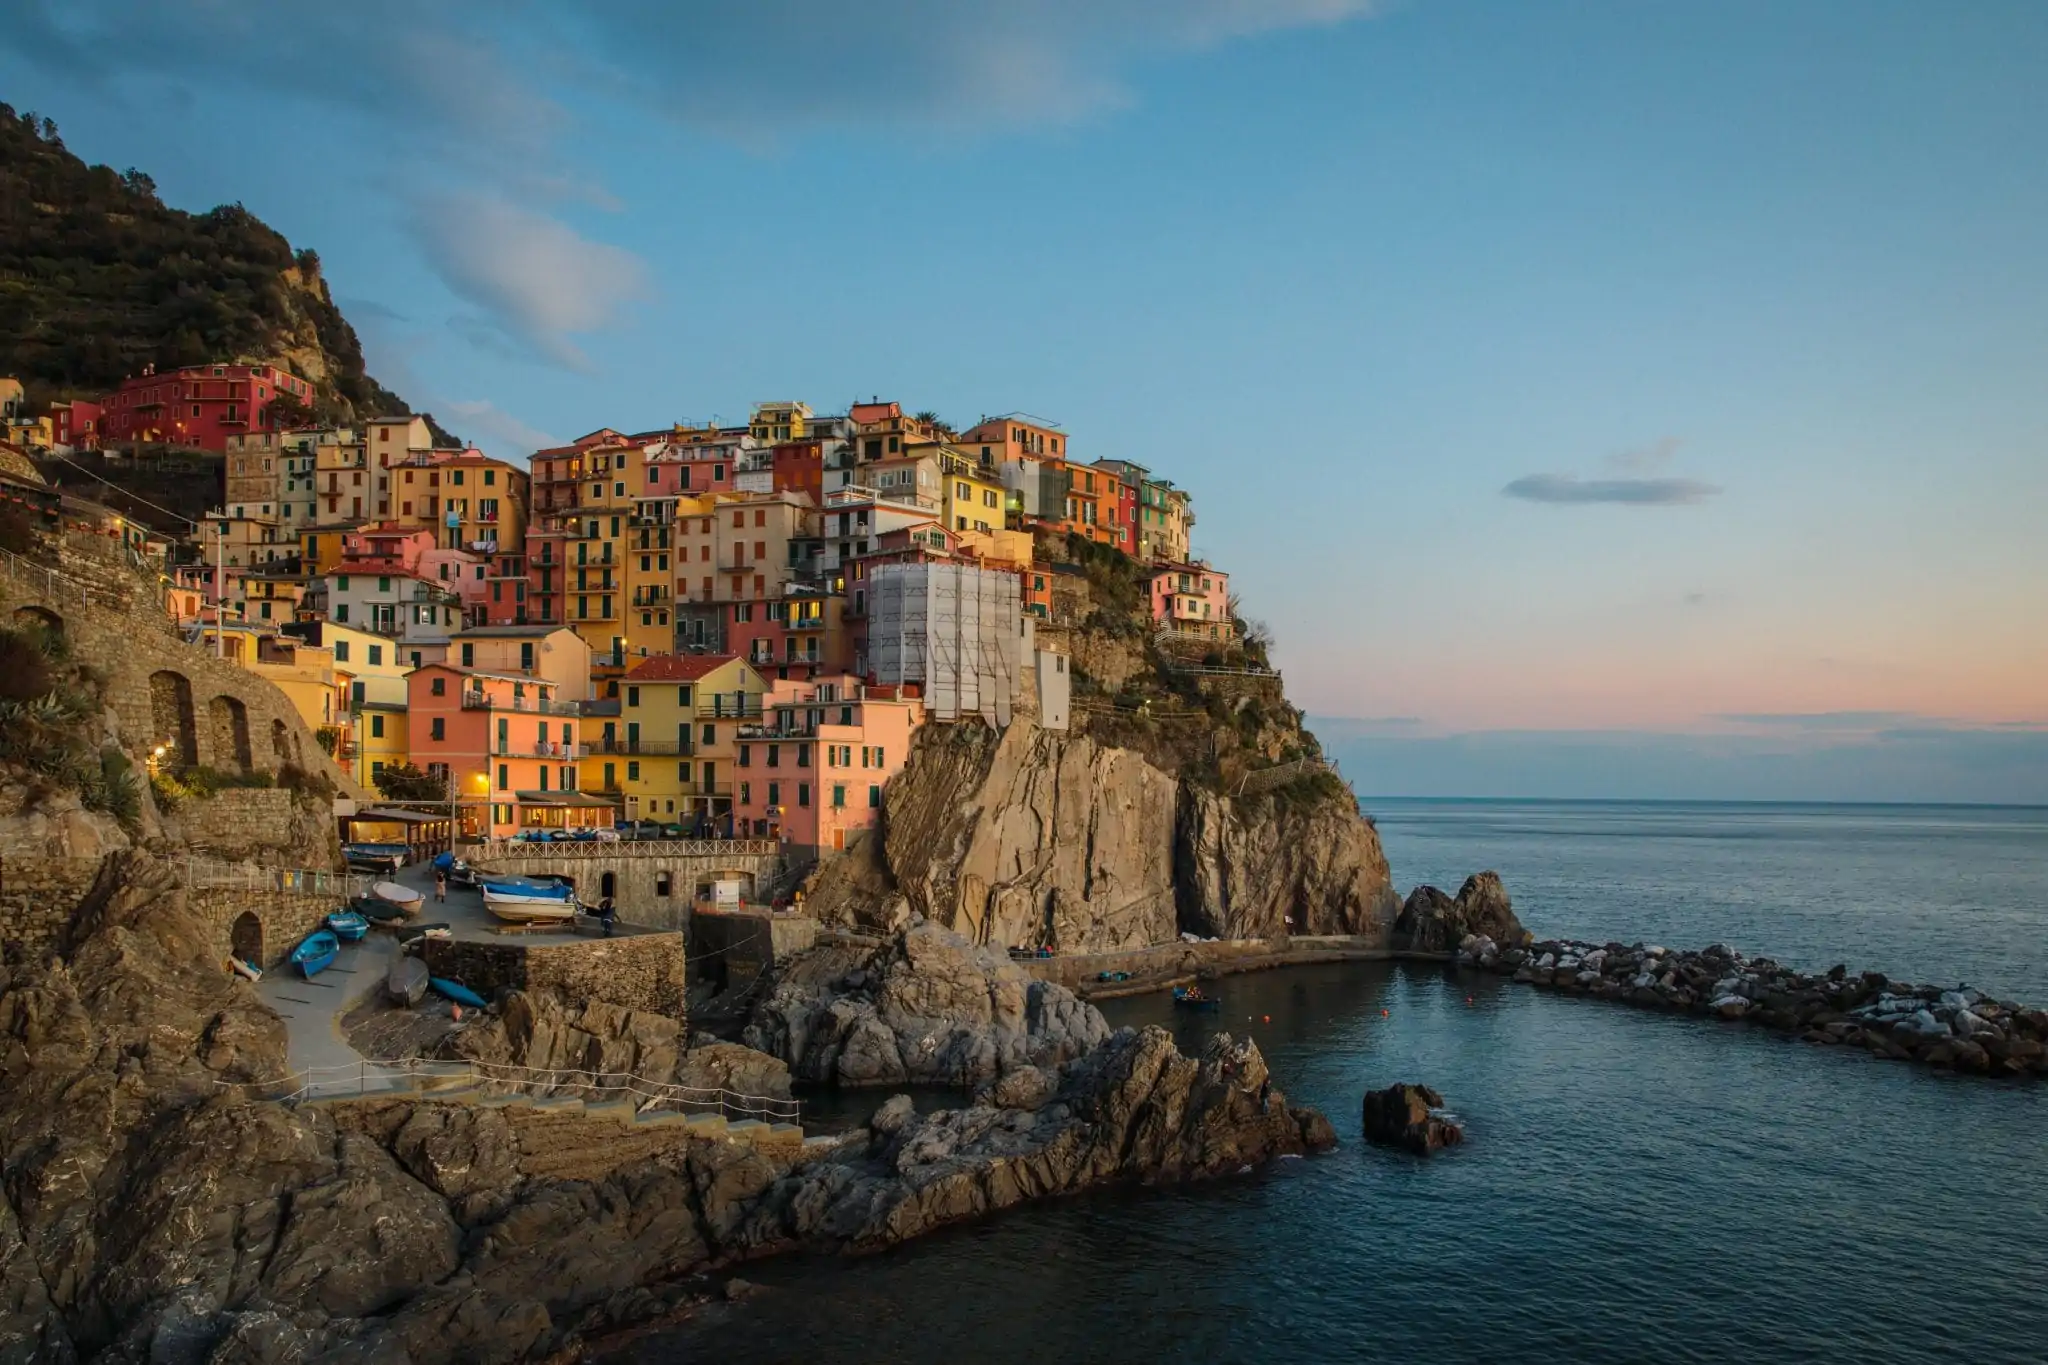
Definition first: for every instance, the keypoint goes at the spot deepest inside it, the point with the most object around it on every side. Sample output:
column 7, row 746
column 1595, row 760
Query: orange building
column 509, row 743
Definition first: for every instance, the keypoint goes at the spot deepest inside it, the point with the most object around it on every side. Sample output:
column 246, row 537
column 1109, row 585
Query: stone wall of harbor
column 638, row 972
column 655, row 883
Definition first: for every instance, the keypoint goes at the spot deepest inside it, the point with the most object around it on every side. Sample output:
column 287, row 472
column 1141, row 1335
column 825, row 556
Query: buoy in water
column 1468, row 999
column 1383, row 1014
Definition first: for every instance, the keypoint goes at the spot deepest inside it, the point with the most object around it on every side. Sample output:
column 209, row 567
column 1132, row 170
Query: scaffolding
column 955, row 630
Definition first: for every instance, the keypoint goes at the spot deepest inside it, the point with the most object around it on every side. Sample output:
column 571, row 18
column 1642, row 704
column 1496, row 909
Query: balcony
column 482, row 701
column 615, row 745
column 652, row 597
column 725, row 708
column 548, row 749
column 781, row 730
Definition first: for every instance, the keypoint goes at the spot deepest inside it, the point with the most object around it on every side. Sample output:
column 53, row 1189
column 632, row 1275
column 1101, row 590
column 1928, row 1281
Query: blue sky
column 1541, row 369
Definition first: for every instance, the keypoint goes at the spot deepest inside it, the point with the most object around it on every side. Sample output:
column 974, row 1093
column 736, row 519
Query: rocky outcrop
column 1431, row 922
column 1958, row 1028
column 1411, row 1117
column 929, row 1008
column 542, row 1044
column 1031, row 837
column 1290, row 870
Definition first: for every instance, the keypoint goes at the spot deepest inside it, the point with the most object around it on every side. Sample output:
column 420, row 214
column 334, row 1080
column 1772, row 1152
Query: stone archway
column 170, row 707
column 228, row 722
column 608, row 886
column 245, row 938
column 40, row 619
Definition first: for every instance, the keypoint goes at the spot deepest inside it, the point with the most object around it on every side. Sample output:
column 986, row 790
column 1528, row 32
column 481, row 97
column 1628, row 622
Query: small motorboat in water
column 316, row 954
column 404, row 897
column 521, row 900
column 406, row 982
column 1194, row 998
column 456, row 991
column 348, row 926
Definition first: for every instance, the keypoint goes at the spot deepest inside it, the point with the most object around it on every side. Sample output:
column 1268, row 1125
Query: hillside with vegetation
column 99, row 278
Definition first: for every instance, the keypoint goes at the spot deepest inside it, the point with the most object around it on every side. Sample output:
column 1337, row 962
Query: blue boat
column 1192, row 998
column 456, row 991
column 348, row 926
column 316, row 954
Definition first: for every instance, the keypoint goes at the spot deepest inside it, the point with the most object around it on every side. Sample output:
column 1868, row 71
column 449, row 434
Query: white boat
column 521, row 900
column 404, row 897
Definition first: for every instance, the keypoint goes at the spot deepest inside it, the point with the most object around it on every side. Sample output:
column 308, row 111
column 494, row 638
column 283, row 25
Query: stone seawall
column 640, row 972
column 731, row 946
column 1151, row 969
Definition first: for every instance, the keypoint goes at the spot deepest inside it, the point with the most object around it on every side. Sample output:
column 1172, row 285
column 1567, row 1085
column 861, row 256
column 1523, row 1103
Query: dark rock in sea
column 1411, row 1117
column 1432, row 922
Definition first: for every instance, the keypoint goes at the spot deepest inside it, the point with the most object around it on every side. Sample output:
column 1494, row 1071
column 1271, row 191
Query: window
column 504, row 777
column 803, row 795
column 803, row 755
column 633, row 771
column 683, row 695
column 439, row 687
column 746, row 792
column 683, row 773
column 376, row 656
column 341, row 651
column 746, row 755
column 874, row 798
column 440, row 727
column 376, row 727
column 526, row 657
column 632, row 696
column 384, row 584
column 775, row 755
column 838, row 796
column 774, row 793
column 662, row 883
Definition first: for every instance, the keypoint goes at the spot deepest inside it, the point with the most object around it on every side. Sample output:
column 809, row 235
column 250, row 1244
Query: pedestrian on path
column 440, row 887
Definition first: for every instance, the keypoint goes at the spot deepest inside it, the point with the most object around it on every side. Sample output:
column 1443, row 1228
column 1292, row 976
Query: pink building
column 812, row 773
column 1193, row 598
column 411, row 550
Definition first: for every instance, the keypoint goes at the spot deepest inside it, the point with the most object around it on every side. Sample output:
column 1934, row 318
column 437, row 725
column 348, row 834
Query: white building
column 956, row 630
column 416, row 612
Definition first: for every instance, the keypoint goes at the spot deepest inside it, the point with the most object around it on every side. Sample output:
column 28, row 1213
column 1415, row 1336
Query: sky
column 1595, row 397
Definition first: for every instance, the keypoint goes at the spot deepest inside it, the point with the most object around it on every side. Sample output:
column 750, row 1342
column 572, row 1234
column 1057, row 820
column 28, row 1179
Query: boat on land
column 377, row 910
column 1194, row 998
column 406, row 982
column 348, row 926
column 413, row 933
column 404, row 897
column 316, row 954
column 376, row 857
column 522, row 900
column 456, row 991
column 248, row 971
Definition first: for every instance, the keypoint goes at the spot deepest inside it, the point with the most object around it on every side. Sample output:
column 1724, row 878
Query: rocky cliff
column 1032, row 837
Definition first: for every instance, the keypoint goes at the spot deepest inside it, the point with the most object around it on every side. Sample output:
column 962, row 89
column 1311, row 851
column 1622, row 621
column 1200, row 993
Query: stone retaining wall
column 283, row 917
column 639, row 972
column 729, row 946
column 1151, row 968
column 38, row 897
column 641, row 873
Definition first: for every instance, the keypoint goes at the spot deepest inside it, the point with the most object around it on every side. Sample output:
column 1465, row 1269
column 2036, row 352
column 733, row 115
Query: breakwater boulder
column 1412, row 1117
column 1954, row 1027
column 1432, row 922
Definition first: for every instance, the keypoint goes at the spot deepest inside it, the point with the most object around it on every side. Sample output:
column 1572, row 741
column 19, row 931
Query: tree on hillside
column 404, row 782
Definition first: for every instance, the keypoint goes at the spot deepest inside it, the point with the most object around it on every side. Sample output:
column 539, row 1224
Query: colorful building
column 509, row 745
column 1193, row 599
column 671, row 751
column 554, row 654
column 199, row 405
column 812, row 771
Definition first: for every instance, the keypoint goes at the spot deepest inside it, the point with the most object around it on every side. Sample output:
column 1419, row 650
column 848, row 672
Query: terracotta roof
column 679, row 667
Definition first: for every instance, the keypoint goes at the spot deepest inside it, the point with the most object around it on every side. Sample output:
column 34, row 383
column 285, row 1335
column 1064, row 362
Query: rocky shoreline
column 1954, row 1028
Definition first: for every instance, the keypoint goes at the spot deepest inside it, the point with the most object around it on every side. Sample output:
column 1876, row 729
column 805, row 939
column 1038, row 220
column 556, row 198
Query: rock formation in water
column 1431, row 922
column 928, row 1008
column 1957, row 1028
column 1410, row 1117
column 1032, row 837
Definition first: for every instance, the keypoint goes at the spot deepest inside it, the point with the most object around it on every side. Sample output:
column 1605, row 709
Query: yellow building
column 379, row 740
column 973, row 496
column 554, row 654
column 321, row 548
column 670, row 753
column 776, row 422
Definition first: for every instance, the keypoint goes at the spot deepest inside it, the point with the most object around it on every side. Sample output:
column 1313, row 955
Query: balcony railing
column 637, row 748
column 727, row 709
column 651, row 597
column 550, row 749
column 483, row 701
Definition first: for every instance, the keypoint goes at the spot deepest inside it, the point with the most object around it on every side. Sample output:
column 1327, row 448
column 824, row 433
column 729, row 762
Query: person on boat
column 440, row 886
column 608, row 912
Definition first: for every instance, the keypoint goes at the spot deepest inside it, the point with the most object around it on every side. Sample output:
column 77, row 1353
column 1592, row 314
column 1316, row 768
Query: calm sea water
column 1635, row 1187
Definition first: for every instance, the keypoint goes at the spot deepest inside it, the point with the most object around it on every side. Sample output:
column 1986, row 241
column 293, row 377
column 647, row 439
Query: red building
column 800, row 468
column 76, row 424
column 199, row 405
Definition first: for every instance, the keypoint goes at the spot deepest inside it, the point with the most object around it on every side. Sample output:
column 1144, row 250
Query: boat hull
column 347, row 926
column 404, row 897
column 406, row 982
column 523, row 902
column 316, row 954
column 456, row 991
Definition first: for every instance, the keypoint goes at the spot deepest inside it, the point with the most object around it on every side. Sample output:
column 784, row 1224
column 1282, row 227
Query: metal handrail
column 571, row 851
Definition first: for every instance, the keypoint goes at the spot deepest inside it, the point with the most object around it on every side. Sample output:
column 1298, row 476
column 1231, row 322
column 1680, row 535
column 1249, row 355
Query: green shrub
column 113, row 788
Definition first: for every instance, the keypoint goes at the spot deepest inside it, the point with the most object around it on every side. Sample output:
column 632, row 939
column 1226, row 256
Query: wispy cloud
column 500, row 429
column 1569, row 488
column 535, row 277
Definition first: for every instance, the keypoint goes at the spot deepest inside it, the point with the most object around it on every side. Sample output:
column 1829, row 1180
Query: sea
column 1634, row 1186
